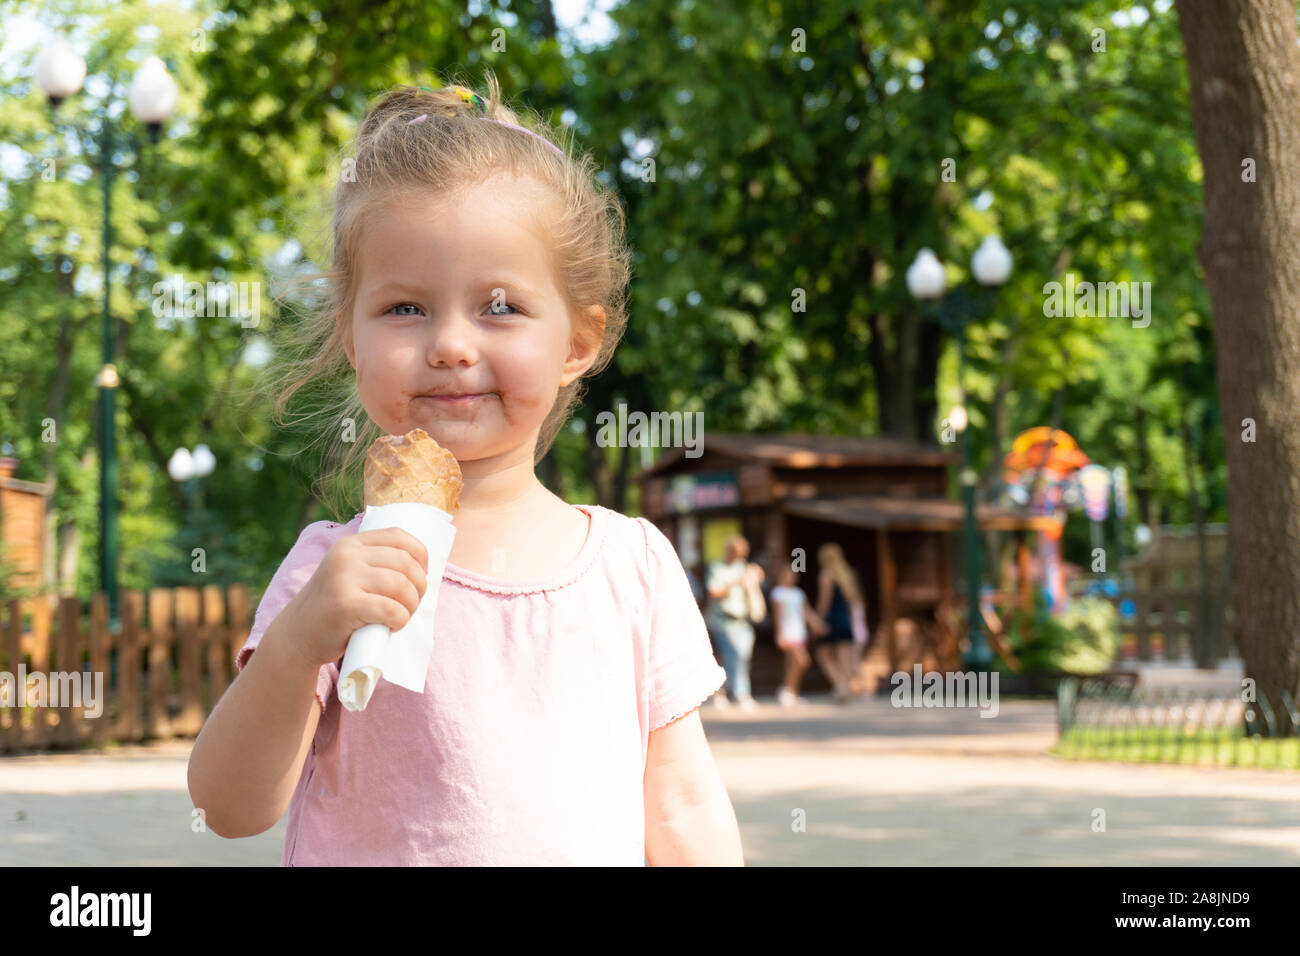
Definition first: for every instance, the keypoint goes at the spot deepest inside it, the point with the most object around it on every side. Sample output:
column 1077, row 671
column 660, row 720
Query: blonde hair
column 454, row 148
column 830, row 558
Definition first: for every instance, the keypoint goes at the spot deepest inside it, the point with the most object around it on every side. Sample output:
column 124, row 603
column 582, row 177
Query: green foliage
column 1206, row 748
column 776, row 169
column 1083, row 639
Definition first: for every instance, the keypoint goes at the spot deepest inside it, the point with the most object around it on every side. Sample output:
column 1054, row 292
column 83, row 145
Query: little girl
column 478, row 275
column 794, row 618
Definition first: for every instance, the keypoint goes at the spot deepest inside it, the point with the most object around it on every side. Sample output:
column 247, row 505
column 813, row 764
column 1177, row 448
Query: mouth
column 467, row 398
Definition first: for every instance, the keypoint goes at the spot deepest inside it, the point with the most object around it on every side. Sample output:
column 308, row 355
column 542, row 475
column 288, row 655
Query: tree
column 1242, row 60
column 800, row 147
column 797, row 147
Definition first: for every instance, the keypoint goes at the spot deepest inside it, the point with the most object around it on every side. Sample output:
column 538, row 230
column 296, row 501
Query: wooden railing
column 1162, row 590
column 162, row 673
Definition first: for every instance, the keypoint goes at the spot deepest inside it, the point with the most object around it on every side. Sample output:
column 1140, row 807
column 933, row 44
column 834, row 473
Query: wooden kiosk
column 881, row 499
column 22, row 527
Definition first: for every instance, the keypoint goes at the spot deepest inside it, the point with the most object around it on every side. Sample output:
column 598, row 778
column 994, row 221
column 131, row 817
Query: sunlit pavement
column 127, row 806
column 864, row 783
column 879, row 785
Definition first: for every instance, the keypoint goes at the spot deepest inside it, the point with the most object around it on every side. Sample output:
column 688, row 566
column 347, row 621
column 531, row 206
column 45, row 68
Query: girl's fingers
column 393, row 585
column 398, row 560
column 397, row 538
column 380, row 609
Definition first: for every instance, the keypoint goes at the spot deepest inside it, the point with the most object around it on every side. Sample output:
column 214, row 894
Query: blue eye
column 492, row 309
column 404, row 305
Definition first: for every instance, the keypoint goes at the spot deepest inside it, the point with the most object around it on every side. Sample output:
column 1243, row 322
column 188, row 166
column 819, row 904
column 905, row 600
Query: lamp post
column 60, row 72
column 991, row 266
column 184, row 464
column 186, row 469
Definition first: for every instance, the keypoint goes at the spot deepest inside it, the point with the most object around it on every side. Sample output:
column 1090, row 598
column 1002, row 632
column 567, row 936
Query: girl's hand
column 372, row 577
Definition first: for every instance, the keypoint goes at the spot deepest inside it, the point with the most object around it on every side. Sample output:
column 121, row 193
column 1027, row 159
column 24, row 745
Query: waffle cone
column 412, row 467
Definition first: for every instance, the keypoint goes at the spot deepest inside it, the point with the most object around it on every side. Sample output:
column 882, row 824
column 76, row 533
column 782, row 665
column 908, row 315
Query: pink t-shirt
column 528, row 745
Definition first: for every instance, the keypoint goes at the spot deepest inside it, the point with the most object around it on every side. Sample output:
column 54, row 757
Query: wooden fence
column 162, row 674
column 1163, row 589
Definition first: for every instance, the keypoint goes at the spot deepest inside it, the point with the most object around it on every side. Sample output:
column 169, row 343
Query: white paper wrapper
column 400, row 657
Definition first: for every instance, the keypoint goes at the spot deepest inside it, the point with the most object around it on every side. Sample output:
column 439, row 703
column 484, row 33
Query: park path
column 906, row 787
column 876, row 785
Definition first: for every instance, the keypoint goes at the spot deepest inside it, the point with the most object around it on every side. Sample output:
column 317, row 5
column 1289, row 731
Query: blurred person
column 794, row 618
column 737, row 605
column 841, row 604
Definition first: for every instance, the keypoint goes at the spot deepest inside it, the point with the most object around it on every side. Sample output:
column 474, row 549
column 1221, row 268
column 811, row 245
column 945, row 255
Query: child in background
column 794, row 617
column 558, row 724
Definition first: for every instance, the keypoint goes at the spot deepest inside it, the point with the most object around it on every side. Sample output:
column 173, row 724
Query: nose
column 453, row 340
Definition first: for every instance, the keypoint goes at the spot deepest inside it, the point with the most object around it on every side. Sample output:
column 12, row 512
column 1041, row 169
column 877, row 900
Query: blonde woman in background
column 841, row 604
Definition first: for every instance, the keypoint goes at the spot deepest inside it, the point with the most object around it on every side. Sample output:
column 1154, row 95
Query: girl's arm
column 689, row 819
column 823, row 594
column 246, row 761
column 815, row 622
column 778, row 612
column 724, row 585
column 754, row 595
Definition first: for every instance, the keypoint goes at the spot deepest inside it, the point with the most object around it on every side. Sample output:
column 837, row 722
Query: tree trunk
column 1201, row 650
column 64, row 341
column 908, row 360
column 70, row 540
column 904, row 373
column 69, row 553
column 1218, row 588
column 1142, row 479
column 1243, row 64
column 927, row 380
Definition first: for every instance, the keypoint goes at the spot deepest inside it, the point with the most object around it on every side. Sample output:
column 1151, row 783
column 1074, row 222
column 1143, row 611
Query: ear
column 585, row 344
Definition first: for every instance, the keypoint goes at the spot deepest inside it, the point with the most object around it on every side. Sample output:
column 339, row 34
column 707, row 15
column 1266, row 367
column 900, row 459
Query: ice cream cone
column 412, row 467
column 414, row 484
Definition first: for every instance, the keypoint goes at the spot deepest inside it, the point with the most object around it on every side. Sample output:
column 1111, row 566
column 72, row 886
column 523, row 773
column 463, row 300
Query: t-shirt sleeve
column 295, row 570
column 682, row 671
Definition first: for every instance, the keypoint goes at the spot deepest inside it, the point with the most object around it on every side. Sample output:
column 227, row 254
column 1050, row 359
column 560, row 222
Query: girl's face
column 457, row 295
